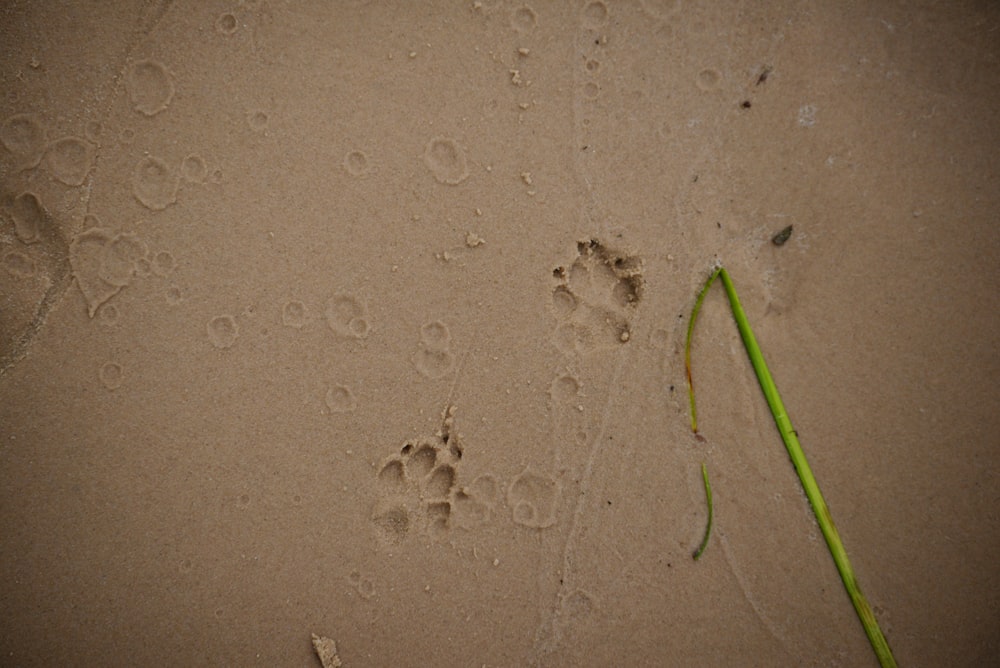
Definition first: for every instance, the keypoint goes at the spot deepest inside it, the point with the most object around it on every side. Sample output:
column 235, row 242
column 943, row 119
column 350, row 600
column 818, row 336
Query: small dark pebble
column 781, row 237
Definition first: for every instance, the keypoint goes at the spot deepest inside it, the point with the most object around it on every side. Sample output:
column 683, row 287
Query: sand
column 366, row 320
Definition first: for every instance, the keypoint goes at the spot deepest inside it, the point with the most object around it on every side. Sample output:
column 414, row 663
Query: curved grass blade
column 708, row 527
column 687, row 346
column 798, row 457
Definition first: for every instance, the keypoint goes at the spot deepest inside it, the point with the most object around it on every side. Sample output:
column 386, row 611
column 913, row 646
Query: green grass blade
column 708, row 526
column 687, row 347
column 798, row 457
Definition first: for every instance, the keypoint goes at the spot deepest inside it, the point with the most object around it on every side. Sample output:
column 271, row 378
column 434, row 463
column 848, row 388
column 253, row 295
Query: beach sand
column 367, row 320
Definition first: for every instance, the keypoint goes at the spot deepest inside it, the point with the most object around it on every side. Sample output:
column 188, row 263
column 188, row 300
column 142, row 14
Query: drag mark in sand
column 549, row 633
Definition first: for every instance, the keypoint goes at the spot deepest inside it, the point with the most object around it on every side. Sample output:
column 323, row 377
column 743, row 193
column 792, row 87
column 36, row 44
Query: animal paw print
column 595, row 298
column 417, row 487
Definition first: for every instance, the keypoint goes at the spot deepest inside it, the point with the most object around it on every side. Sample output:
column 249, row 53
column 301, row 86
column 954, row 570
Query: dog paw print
column 418, row 491
column 595, row 297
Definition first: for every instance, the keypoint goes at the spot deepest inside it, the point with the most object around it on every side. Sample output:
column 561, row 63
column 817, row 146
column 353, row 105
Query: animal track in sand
column 418, row 489
column 595, row 298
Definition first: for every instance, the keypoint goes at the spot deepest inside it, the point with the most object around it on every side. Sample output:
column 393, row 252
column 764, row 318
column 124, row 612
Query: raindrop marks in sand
column 126, row 137
column 565, row 388
column 28, row 215
column 102, row 263
column 357, row 164
column 258, row 120
column 294, row 314
column 347, row 316
column 435, row 335
column 595, row 14
column 534, row 498
column 223, row 331
column 143, row 267
column 568, row 416
column 150, row 87
column 108, row 315
column 93, row 131
column 173, row 295
column 227, row 23
column 340, row 399
column 163, row 263
column 446, row 160
column 577, row 607
column 18, row 265
column 362, row 584
column 23, row 135
column 524, row 19
column 111, row 375
column 708, row 79
column 661, row 9
column 433, row 358
column 120, row 258
column 193, row 169
column 154, row 183
column 70, row 160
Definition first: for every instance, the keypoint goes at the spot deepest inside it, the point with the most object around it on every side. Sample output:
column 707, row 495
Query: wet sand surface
column 367, row 320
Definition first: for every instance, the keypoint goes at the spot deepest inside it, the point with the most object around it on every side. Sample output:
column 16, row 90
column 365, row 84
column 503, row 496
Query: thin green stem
column 708, row 526
column 798, row 457
column 687, row 347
